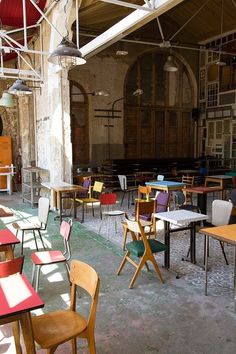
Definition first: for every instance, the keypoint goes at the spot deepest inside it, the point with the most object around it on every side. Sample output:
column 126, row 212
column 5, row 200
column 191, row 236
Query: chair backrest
column 86, row 185
column 144, row 209
column 221, row 211
column 123, row 182
column 83, row 275
column 43, row 210
column 65, row 232
column 12, row 266
column 188, row 181
column 135, row 228
column 108, row 199
column 160, row 177
column 144, row 190
column 162, row 199
column 97, row 187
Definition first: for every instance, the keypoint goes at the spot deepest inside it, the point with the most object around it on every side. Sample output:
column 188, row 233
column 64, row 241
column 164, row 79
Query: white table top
column 51, row 185
column 180, row 217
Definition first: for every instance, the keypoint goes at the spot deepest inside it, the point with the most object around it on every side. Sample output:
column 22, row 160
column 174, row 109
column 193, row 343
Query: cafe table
column 202, row 193
column 17, row 299
column 226, row 233
column 7, row 240
column 185, row 220
column 58, row 189
column 166, row 186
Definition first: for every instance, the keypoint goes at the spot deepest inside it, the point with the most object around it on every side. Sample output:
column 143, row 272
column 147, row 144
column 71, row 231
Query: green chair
column 142, row 248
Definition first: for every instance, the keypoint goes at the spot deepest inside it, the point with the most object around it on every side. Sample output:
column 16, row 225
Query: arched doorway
column 159, row 123
column 79, row 124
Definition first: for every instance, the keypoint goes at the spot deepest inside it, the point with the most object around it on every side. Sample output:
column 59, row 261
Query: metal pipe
column 25, row 23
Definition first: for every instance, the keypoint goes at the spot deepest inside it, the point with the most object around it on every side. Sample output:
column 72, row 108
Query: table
column 226, row 233
column 165, row 185
column 180, row 218
column 221, row 180
column 202, row 192
column 7, row 240
column 9, row 174
column 17, row 299
column 58, row 189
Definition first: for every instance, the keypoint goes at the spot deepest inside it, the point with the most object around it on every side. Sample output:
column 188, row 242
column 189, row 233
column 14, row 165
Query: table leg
column 26, row 327
column 206, row 262
column 234, row 278
column 59, row 194
column 167, row 243
column 202, row 202
column 193, row 243
column 74, row 204
column 54, row 199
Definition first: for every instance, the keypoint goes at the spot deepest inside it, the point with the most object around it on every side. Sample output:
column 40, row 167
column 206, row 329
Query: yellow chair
column 144, row 191
column 142, row 248
column 54, row 328
column 93, row 197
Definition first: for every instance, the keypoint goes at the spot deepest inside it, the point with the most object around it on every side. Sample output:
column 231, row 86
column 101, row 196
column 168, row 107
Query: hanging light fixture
column 67, row 54
column 20, row 88
column 170, row 65
column 219, row 61
column 7, row 100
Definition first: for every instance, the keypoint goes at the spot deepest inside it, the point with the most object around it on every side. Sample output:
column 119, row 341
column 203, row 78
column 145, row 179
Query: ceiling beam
column 127, row 25
column 127, row 4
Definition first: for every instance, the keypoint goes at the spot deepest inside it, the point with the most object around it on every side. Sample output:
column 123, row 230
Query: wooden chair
column 142, row 248
column 95, row 191
column 189, row 183
column 144, row 191
column 54, row 328
column 43, row 258
column 39, row 225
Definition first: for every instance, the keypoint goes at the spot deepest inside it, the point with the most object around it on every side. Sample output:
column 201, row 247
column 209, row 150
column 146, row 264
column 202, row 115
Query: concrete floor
column 170, row 318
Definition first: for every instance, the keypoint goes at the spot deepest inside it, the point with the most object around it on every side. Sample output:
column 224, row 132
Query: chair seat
column 47, row 257
column 137, row 247
column 145, row 217
column 57, row 327
column 113, row 212
column 87, row 200
column 28, row 226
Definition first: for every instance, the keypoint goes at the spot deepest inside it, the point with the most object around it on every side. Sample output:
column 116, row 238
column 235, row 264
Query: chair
column 11, row 267
column 180, row 200
column 43, row 258
column 39, row 225
column 189, row 183
column 162, row 199
column 124, row 187
column 54, row 328
column 95, row 191
column 144, row 190
column 232, row 199
column 107, row 202
column 160, row 178
column 142, row 248
column 221, row 211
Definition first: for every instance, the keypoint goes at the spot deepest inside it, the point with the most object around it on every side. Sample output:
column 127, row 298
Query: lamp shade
column 20, row 88
column 66, row 55
column 6, row 100
column 170, row 65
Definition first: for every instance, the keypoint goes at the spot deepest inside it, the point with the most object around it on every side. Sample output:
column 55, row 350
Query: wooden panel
column 130, row 132
column 5, row 157
column 79, row 133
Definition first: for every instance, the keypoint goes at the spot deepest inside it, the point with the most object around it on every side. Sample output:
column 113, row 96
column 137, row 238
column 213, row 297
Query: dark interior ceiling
column 204, row 24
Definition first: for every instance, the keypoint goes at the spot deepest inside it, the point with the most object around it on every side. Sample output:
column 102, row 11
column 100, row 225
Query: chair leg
column 123, row 263
column 40, row 236
column 101, row 225
column 67, row 270
column 33, row 274
column 122, row 198
column 22, row 241
column 73, row 345
column 125, row 237
column 92, row 209
column 91, row 343
column 128, row 199
column 157, row 268
column 223, row 251
column 140, row 266
column 35, row 240
column 37, row 278
column 16, row 334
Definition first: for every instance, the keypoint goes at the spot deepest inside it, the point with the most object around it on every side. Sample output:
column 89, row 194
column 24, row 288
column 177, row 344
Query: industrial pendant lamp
column 20, row 88
column 67, row 54
column 7, row 100
column 170, row 65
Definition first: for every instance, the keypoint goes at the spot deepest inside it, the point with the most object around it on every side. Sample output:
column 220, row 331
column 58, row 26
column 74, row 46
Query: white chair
column 126, row 189
column 221, row 212
column 39, row 225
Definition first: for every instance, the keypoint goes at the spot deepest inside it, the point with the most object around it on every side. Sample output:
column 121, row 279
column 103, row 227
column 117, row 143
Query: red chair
column 42, row 258
column 107, row 202
column 11, row 267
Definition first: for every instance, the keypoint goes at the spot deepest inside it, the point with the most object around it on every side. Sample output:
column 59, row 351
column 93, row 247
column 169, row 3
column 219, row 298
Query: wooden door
column 79, row 133
column 5, row 157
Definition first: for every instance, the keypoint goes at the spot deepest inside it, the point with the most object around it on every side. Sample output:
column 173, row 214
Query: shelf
column 31, row 184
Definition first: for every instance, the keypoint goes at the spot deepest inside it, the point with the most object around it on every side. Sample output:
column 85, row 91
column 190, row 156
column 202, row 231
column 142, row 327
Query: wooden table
column 7, row 240
column 186, row 220
column 202, row 192
column 17, row 299
column 221, row 180
column 166, row 186
column 226, row 233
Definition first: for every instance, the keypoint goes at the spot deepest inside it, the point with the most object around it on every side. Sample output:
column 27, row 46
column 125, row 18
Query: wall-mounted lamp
column 20, row 88
column 170, row 65
column 7, row 100
column 66, row 55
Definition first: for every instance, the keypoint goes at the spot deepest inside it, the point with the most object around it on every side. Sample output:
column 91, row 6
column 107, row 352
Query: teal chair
column 141, row 248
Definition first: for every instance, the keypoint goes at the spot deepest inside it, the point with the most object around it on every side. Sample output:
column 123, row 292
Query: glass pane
column 76, row 94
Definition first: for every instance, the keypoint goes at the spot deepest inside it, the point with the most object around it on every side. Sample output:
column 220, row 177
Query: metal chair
column 43, row 258
column 124, row 187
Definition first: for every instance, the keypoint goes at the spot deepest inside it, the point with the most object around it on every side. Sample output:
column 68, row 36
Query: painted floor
column 171, row 318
